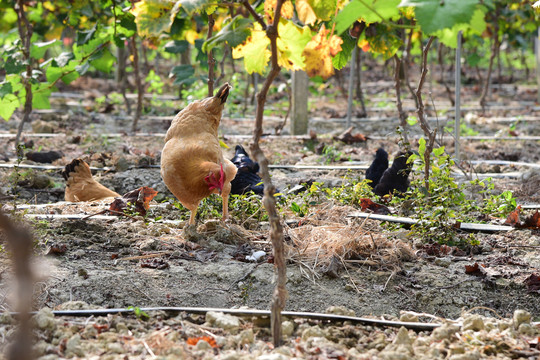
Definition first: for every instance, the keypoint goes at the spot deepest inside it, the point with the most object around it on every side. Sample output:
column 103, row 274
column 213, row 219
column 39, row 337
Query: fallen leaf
column 533, row 221
column 349, row 138
column 159, row 264
column 368, row 204
column 140, row 198
column 194, row 340
column 475, row 269
column 533, row 283
column 513, row 217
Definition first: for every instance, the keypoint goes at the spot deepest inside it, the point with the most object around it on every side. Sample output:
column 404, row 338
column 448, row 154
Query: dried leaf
column 513, row 217
column 194, row 340
column 159, row 264
column 533, row 221
column 373, row 206
column 475, row 269
column 140, row 198
column 533, row 283
column 319, row 52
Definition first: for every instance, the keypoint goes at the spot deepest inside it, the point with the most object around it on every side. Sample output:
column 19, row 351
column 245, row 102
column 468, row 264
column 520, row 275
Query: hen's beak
column 223, row 92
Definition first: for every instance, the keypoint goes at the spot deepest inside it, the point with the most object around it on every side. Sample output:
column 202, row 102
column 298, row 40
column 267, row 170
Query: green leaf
column 438, row 151
column 14, row 66
column 343, row 57
column 41, row 93
column 183, row 74
column 85, row 36
column 191, row 6
column 8, row 105
column 324, row 9
column 234, row 34
column 127, row 22
column 104, row 62
column 37, row 50
column 421, row 147
column 473, row 59
column 356, row 10
column 433, row 15
column 5, row 89
column 176, row 46
column 449, row 36
column 292, row 41
column 53, row 73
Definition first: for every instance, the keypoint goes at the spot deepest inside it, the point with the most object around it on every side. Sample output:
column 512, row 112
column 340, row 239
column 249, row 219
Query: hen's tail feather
column 223, row 92
column 76, row 166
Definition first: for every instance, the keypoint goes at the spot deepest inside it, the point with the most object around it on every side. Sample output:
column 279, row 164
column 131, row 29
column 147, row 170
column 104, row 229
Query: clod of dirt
column 159, row 264
column 57, row 249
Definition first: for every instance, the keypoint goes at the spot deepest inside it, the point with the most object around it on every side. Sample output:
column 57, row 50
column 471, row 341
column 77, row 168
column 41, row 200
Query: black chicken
column 376, row 170
column 395, row 178
column 246, row 178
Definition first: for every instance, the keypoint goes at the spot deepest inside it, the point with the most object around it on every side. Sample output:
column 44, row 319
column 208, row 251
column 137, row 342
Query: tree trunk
column 359, row 92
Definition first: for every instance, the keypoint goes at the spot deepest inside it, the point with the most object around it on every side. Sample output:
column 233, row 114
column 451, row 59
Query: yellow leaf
column 319, row 52
column 211, row 9
column 305, row 12
column 49, row 6
column 291, row 42
column 287, row 9
column 191, row 35
column 254, row 50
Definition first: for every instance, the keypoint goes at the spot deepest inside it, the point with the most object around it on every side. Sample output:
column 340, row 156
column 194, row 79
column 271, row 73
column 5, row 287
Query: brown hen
column 81, row 186
column 192, row 163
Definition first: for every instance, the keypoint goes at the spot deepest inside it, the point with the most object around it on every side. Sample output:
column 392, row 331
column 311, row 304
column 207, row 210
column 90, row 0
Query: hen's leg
column 225, row 197
column 193, row 209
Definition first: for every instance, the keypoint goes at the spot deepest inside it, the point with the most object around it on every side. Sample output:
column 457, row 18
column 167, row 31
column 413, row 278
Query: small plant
column 464, row 129
column 141, row 315
column 330, row 154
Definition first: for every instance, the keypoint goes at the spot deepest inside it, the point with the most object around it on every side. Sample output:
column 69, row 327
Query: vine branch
column 279, row 297
column 430, row 134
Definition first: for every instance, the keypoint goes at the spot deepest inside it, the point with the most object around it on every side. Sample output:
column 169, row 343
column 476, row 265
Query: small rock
column 122, row 328
column 472, row 355
column 44, row 319
column 44, row 127
column 473, row 322
column 526, row 329
column 445, row 331
column 79, row 253
column 287, row 328
column 520, row 317
column 408, row 317
column 340, row 310
column 115, row 348
column 230, row 355
column 121, row 164
column 73, row 346
column 443, row 262
column 75, row 305
column 274, row 356
column 312, row 331
column 402, row 337
column 202, row 345
column 6, row 319
column 89, row 332
column 223, row 321
column 41, row 181
column 245, row 337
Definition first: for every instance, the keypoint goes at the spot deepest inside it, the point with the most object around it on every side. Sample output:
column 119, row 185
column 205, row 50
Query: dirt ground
column 121, row 262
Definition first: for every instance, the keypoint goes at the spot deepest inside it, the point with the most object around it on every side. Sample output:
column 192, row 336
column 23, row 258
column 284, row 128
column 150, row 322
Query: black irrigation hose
column 416, row 326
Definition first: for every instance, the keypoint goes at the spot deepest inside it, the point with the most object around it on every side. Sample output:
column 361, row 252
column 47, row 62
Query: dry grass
column 328, row 234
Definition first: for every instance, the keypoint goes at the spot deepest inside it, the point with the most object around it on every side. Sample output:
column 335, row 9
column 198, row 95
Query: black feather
column 395, row 178
column 377, row 168
column 246, row 178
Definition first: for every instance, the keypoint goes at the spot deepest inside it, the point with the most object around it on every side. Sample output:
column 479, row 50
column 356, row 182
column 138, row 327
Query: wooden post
column 457, row 94
column 299, row 106
column 351, row 86
column 537, row 42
